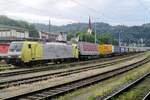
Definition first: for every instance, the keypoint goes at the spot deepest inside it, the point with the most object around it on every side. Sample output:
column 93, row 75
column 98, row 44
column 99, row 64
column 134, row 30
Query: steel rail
column 147, row 96
column 31, row 79
column 52, row 92
column 127, row 87
column 54, row 67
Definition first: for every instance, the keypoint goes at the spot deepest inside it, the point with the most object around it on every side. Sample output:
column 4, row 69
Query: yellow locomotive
column 27, row 51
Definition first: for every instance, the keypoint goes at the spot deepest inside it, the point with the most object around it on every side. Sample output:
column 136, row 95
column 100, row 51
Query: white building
column 11, row 32
column 62, row 36
column 44, row 35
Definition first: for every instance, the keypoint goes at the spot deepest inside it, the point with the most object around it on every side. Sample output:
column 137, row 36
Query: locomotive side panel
column 75, row 51
column 31, row 51
column 57, row 51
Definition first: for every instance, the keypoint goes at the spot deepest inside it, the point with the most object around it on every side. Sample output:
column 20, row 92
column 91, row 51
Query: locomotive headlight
column 19, row 56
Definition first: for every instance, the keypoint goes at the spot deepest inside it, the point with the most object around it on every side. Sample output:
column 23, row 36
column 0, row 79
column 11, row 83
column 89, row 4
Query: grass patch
column 108, row 86
column 4, row 67
column 137, row 92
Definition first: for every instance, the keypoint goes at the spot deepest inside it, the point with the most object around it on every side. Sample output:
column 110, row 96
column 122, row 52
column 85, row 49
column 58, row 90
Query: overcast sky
column 60, row 12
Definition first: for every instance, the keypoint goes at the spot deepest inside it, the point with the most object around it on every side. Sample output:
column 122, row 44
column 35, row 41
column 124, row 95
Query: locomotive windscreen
column 15, row 47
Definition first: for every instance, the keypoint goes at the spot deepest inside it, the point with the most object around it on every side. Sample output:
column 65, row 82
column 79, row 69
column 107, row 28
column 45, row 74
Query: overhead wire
column 92, row 9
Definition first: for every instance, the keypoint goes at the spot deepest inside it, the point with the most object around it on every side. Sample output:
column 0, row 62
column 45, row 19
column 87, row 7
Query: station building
column 13, row 33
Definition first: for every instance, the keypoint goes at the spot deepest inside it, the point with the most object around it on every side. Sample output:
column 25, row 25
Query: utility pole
column 95, row 31
column 95, row 24
column 119, row 39
column 49, row 26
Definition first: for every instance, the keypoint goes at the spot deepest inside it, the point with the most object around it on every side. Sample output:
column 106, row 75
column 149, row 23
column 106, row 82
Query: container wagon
column 105, row 49
column 88, row 50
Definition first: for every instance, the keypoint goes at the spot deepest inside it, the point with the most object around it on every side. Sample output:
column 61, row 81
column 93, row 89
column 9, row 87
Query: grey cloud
column 112, row 11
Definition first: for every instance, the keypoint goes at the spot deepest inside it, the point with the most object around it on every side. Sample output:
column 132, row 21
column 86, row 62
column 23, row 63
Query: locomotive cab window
column 16, row 47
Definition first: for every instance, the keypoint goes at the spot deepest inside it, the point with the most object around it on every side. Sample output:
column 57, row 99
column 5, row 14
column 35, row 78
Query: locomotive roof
column 17, row 42
column 56, row 43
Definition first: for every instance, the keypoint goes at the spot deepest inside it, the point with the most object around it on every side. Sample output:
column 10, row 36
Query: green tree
column 83, row 36
column 106, row 38
column 69, row 36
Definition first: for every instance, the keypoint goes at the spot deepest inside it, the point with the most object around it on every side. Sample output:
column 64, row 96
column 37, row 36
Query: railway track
column 147, row 96
column 14, row 81
column 52, row 92
column 142, row 80
column 60, row 66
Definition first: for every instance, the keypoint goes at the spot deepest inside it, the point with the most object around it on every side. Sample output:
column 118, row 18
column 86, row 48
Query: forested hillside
column 128, row 35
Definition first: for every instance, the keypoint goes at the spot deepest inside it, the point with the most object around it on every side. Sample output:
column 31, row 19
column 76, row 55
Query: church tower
column 89, row 31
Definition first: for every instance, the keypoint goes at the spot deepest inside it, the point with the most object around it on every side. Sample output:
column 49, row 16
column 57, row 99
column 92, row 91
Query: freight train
column 21, row 52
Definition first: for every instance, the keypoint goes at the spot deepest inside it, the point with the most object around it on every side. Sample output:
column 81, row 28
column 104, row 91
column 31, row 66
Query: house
column 52, row 37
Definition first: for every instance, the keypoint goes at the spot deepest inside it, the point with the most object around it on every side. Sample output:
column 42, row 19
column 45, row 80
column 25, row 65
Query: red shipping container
column 4, row 48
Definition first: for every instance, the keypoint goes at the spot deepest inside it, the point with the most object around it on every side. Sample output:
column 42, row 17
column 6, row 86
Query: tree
column 69, row 36
column 83, row 36
column 106, row 38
